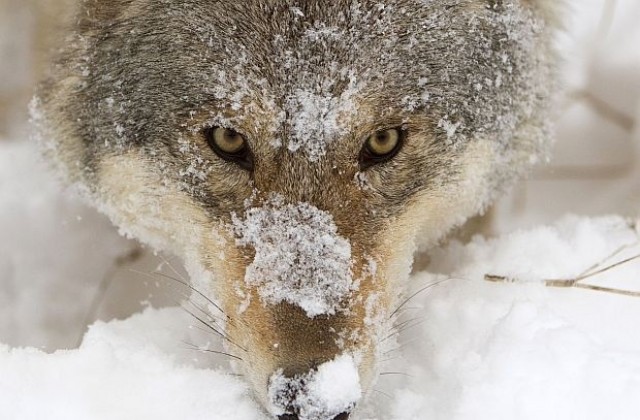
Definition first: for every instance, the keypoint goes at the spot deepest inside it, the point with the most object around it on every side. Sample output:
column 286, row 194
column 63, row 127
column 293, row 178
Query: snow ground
column 474, row 349
column 477, row 350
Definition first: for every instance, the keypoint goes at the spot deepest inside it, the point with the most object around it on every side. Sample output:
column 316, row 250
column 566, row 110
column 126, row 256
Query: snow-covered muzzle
column 299, row 257
column 307, row 309
column 328, row 392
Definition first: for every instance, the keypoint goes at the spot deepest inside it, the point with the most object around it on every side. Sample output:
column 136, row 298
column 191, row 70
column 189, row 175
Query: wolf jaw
column 304, row 250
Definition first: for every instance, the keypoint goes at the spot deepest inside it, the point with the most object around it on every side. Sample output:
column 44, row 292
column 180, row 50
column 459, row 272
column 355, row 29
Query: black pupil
column 383, row 138
column 231, row 137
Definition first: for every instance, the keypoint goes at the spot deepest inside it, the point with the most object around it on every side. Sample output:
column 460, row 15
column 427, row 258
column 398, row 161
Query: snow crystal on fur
column 300, row 258
column 320, row 395
column 316, row 122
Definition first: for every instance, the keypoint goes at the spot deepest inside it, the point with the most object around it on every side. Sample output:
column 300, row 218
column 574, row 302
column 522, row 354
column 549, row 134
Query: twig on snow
column 566, row 283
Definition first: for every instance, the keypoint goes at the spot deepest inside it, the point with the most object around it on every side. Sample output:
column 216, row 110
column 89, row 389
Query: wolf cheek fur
column 306, row 249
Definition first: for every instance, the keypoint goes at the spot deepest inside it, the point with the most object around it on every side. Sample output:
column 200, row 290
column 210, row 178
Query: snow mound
column 522, row 350
column 123, row 370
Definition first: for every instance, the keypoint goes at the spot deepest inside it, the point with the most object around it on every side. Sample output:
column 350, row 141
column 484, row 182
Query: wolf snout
column 328, row 392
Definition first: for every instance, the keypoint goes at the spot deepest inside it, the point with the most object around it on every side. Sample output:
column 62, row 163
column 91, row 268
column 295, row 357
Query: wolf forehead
column 308, row 69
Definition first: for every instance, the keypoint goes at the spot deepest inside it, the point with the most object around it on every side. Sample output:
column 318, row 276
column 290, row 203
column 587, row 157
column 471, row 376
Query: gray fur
column 142, row 73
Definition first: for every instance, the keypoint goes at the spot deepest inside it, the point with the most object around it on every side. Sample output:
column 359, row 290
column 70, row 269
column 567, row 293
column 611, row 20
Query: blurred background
column 62, row 265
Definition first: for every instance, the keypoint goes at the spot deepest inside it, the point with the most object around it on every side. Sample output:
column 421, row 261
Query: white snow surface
column 123, row 370
column 299, row 256
column 522, row 350
column 477, row 350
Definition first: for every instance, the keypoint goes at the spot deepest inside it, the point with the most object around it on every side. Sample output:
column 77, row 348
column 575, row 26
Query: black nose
column 342, row 416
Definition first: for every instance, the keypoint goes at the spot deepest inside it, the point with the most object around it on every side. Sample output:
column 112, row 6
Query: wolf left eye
column 381, row 146
column 230, row 145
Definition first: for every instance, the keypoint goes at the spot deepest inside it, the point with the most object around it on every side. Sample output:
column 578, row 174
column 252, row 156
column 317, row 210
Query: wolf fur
column 307, row 254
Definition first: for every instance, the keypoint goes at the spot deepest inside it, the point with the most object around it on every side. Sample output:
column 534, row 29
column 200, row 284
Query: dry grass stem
column 566, row 283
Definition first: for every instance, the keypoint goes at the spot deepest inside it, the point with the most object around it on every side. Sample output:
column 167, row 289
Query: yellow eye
column 230, row 145
column 228, row 141
column 383, row 142
column 381, row 146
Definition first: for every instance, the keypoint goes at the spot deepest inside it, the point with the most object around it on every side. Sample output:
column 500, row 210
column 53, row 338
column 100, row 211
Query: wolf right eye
column 381, row 147
column 229, row 145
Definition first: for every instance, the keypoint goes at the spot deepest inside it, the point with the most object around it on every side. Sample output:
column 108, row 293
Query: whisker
column 409, row 308
column 427, row 287
column 210, row 327
column 383, row 393
column 201, row 294
column 199, row 328
column 222, row 353
column 409, row 326
column 403, row 326
column 166, row 261
column 186, row 284
column 196, row 348
column 203, row 322
column 393, row 350
column 398, row 327
column 208, row 314
column 106, row 281
column 397, row 373
column 403, row 345
column 227, row 318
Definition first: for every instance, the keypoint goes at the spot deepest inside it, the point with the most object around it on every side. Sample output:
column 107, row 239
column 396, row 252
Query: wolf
column 296, row 153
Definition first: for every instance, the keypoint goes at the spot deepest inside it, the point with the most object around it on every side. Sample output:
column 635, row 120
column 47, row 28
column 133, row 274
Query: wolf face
column 292, row 152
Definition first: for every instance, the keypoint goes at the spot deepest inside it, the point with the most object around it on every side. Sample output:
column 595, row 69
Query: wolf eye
column 381, row 146
column 229, row 145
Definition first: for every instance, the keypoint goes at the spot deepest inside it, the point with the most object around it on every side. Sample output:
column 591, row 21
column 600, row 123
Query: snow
column 483, row 350
column 118, row 366
column 471, row 349
column 334, row 388
column 505, row 351
column 519, row 259
column 299, row 256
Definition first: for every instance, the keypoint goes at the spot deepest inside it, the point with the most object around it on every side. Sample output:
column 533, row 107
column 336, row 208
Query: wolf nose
column 341, row 416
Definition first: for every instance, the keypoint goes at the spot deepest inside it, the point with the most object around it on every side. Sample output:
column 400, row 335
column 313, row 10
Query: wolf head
column 292, row 152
